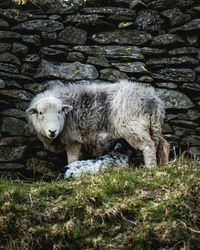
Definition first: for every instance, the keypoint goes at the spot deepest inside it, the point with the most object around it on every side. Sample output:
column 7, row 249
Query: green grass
column 125, row 208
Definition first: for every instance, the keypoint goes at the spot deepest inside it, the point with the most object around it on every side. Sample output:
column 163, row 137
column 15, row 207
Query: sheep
column 81, row 118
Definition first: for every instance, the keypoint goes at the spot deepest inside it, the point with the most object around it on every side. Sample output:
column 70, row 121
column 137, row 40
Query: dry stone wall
column 44, row 42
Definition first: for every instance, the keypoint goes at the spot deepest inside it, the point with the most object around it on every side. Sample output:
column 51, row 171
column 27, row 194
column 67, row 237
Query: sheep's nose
column 52, row 133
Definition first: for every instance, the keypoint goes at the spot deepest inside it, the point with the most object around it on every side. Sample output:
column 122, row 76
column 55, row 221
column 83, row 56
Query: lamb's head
column 47, row 116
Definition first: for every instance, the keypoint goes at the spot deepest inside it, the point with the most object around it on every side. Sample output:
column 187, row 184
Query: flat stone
column 176, row 16
column 125, row 25
column 166, row 128
column 167, row 61
column 10, row 166
column 174, row 99
column 19, row 49
column 13, row 84
column 109, row 11
column 39, row 25
column 28, row 69
column 167, row 85
column 132, row 37
column 18, row 15
column 4, row 47
column 191, row 86
column 98, row 60
column 137, row 4
column 12, row 153
column 184, row 51
column 31, row 40
column 113, row 51
column 48, row 52
column 194, row 151
column 3, row 24
column 153, row 51
column 192, row 40
column 193, row 140
column 3, row 104
column 72, row 35
column 8, row 68
column 13, row 126
column 9, row 35
column 13, row 113
column 175, row 75
column 41, row 167
column 50, row 37
column 131, row 67
column 6, row 57
column 149, row 21
column 172, row 139
column 191, row 115
column 163, row 4
column 91, row 19
column 184, row 123
column 16, row 141
column 194, row 10
column 182, row 131
column 112, row 75
column 68, row 71
column 32, row 58
column 17, row 94
column 146, row 79
column 190, row 26
column 166, row 40
column 2, row 84
column 74, row 56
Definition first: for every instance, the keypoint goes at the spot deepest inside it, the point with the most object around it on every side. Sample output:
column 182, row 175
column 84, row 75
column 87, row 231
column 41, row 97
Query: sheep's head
column 48, row 116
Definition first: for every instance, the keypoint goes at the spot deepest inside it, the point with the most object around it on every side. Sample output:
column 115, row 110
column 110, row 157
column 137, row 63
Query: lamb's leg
column 74, row 153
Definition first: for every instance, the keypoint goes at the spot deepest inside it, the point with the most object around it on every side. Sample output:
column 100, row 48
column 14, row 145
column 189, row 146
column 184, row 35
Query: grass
column 129, row 208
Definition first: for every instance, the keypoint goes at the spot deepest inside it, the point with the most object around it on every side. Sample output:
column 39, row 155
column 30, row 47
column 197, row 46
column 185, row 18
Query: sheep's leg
column 147, row 146
column 74, row 153
column 163, row 151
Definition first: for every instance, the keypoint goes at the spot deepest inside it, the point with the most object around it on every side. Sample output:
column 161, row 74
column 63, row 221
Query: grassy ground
column 119, row 209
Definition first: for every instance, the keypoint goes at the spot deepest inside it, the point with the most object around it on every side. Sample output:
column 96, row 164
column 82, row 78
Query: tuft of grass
column 129, row 208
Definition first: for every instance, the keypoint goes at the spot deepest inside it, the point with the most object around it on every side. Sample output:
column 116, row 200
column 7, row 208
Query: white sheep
column 89, row 118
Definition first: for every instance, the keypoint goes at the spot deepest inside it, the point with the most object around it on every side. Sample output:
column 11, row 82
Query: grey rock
column 183, row 51
column 3, row 105
column 55, row 17
column 28, row 69
column 98, row 60
column 112, row 75
column 173, row 140
column 3, row 24
column 114, row 51
column 166, row 40
column 4, row 47
column 137, row 4
column 149, row 21
column 18, row 15
column 166, row 128
column 82, row 20
column 13, row 113
column 176, row 16
column 165, row 4
column 175, row 75
column 153, row 51
column 9, row 165
column 194, row 151
column 193, row 140
column 109, row 11
column 2, row 84
column 192, row 40
column 7, row 57
column 13, row 126
column 132, row 37
column 41, row 167
column 131, row 67
column 182, row 131
column 74, row 56
column 12, row 153
column 9, row 35
column 72, row 35
column 31, row 40
column 19, row 49
column 184, row 123
column 8, row 68
column 168, row 61
column 48, row 52
column 167, row 85
column 39, row 25
column 145, row 79
column 190, row 26
column 124, row 25
column 195, row 11
column 68, row 71
column 49, row 36
column 191, row 86
column 16, row 141
column 31, row 58
column 17, row 94
column 13, row 84
column 22, row 105
column 191, row 115
column 174, row 99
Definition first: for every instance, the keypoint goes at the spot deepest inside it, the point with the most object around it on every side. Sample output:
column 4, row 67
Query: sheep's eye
column 40, row 113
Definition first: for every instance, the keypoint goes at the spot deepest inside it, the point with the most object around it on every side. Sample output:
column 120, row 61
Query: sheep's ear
column 31, row 111
column 67, row 108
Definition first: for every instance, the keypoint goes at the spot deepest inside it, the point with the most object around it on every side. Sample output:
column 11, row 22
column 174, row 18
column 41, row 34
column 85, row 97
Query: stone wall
column 41, row 43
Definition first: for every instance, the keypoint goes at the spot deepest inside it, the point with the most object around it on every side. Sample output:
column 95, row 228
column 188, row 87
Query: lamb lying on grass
column 118, row 157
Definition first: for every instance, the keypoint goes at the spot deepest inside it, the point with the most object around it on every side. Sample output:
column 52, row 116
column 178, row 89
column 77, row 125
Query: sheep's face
column 48, row 117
